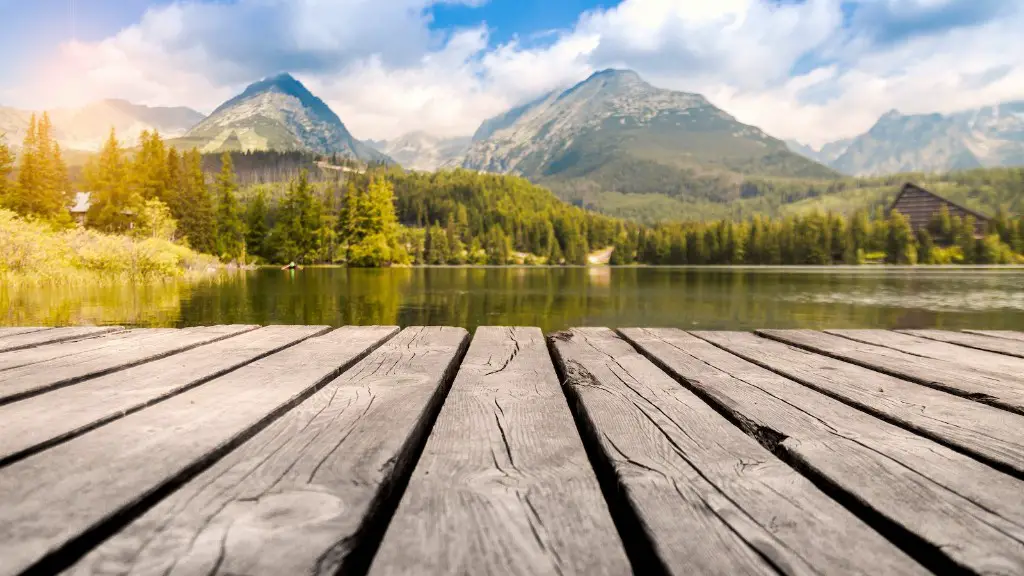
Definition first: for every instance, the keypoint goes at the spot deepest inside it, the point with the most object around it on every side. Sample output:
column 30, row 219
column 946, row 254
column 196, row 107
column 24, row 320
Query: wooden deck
column 304, row 450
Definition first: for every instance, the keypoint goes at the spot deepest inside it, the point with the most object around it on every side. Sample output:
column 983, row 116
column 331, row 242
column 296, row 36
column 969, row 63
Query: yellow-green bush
column 38, row 251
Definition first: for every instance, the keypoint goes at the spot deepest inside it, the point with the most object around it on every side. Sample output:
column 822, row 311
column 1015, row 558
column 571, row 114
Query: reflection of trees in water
column 149, row 304
column 552, row 298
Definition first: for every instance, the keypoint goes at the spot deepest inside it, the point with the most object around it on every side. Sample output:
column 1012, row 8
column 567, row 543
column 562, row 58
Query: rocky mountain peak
column 277, row 113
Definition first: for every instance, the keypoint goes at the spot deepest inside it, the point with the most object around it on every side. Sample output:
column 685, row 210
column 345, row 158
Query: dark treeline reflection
column 552, row 298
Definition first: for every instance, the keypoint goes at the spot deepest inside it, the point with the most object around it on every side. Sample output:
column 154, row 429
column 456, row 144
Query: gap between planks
column 74, row 495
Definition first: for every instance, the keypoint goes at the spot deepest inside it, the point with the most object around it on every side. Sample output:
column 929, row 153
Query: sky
column 811, row 70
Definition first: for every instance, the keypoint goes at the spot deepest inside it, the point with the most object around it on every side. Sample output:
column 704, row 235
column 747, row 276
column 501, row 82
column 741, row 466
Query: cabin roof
column 82, row 202
column 911, row 186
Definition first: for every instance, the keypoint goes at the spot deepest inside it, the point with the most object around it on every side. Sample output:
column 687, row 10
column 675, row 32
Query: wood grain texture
column 713, row 499
column 14, row 330
column 988, row 433
column 40, row 421
column 996, row 389
column 55, row 502
column 301, row 496
column 504, row 485
column 9, row 343
column 951, row 511
column 989, row 362
column 29, row 380
column 18, row 358
column 1004, row 334
column 1008, row 343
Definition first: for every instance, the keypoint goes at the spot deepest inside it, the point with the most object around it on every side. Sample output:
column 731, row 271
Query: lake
column 552, row 298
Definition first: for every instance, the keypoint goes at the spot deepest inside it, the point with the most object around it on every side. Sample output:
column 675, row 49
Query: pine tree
column 256, row 228
column 6, row 169
column 113, row 205
column 43, row 186
column 196, row 218
column 498, row 246
column 372, row 226
column 149, row 170
column 298, row 224
column 900, row 245
column 230, row 229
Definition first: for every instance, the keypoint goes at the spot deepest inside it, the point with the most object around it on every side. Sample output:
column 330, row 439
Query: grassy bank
column 39, row 252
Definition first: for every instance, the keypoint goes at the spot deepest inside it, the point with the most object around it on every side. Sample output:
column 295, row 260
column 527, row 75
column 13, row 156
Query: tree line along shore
column 154, row 211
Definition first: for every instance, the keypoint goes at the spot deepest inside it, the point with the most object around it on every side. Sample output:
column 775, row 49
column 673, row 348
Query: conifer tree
column 113, row 204
column 256, row 227
column 900, row 244
column 230, row 229
column 150, row 172
column 298, row 224
column 196, row 217
column 6, row 168
column 43, row 187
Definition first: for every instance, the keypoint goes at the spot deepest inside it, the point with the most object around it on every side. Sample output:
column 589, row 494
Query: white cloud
column 385, row 72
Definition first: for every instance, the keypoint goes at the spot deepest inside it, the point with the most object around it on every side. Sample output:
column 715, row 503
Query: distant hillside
column 85, row 129
column 988, row 137
column 422, row 151
column 278, row 114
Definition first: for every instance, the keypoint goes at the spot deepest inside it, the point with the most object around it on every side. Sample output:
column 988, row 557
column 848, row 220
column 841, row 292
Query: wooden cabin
column 920, row 206
column 80, row 208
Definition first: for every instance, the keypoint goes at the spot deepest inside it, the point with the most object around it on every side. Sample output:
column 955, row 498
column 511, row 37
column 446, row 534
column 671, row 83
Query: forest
column 277, row 208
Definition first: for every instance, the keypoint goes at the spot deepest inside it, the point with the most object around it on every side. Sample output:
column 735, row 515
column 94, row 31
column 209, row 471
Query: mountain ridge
column 984, row 137
column 277, row 113
column 615, row 133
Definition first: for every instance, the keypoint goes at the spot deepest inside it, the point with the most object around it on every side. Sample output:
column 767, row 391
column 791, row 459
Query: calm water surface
column 702, row 298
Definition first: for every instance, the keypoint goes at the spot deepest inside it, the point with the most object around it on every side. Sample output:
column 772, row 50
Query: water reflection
column 699, row 298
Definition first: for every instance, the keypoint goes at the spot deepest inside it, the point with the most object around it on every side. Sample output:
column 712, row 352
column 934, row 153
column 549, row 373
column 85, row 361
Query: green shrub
column 33, row 250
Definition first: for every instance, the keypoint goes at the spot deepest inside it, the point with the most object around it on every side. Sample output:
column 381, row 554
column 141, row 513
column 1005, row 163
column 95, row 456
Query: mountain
column 615, row 134
column 988, row 137
column 88, row 127
column 422, row 151
column 277, row 113
column 826, row 155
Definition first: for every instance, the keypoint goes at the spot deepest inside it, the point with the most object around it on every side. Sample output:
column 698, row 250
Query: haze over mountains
column 987, row 137
column 88, row 127
column 611, row 133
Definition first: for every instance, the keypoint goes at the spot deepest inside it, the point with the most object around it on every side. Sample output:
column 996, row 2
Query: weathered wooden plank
column 15, row 330
column 41, row 421
column 11, row 342
column 948, row 510
column 25, row 381
column 1009, row 346
column 56, row 500
column 1005, row 334
column 306, row 494
column 504, row 485
column 988, row 433
column 904, row 342
column 997, row 389
column 18, row 358
column 713, row 500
